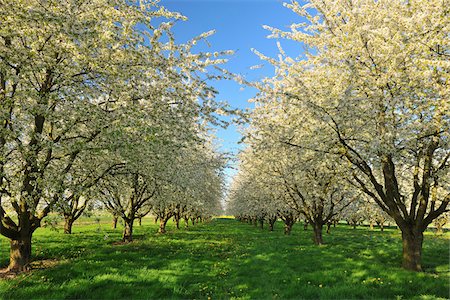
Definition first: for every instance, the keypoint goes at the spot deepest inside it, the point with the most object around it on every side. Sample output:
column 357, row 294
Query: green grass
column 227, row 259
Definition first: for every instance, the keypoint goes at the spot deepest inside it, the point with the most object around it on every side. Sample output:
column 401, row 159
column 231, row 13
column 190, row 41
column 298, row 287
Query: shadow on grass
column 229, row 259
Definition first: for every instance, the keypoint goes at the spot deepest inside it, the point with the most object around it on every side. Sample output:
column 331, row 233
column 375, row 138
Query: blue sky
column 238, row 25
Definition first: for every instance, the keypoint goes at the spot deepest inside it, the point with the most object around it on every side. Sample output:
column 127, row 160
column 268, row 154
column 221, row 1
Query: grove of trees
column 98, row 101
column 363, row 113
column 100, row 105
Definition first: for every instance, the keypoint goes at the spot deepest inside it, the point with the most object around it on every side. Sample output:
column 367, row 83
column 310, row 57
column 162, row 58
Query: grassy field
column 225, row 259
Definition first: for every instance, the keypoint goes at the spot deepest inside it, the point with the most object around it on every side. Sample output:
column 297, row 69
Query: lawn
column 225, row 259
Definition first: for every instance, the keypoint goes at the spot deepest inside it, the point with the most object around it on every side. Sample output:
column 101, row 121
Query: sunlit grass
column 227, row 259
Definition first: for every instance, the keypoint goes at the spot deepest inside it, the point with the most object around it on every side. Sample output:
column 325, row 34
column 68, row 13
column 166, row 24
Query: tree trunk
column 20, row 255
column 186, row 222
column 412, row 249
column 114, row 222
column 382, row 226
column 328, row 227
column 371, row 225
column 177, row 221
column 128, row 231
column 271, row 223
column 318, row 234
column 140, row 221
column 68, row 222
column 261, row 223
column 287, row 228
column 162, row 225
column 305, row 226
column 193, row 221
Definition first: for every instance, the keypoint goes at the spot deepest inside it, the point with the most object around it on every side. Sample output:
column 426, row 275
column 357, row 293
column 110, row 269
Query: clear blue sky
column 238, row 25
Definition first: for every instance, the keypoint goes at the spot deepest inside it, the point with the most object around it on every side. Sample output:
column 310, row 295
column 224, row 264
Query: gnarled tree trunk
column 68, row 223
column 412, row 249
column 162, row 225
column 177, row 218
column 317, row 237
column 128, row 230
column 114, row 222
column 272, row 223
column 287, row 228
column 20, row 254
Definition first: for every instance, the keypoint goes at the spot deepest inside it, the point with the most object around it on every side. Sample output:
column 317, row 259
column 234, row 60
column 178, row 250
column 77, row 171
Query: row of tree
column 363, row 112
column 190, row 189
column 97, row 101
column 252, row 209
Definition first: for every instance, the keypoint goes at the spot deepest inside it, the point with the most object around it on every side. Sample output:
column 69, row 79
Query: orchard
column 110, row 150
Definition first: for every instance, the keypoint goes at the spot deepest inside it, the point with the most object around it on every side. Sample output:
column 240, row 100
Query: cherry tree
column 71, row 74
column 128, row 195
column 374, row 77
column 254, row 197
column 193, row 187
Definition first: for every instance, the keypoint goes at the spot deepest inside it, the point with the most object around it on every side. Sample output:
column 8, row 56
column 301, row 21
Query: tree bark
column 412, row 249
column 328, row 227
column 271, row 223
column 317, row 237
column 261, row 223
column 162, row 225
column 68, row 222
column 186, row 222
column 305, row 226
column 114, row 222
column 128, row 231
column 20, row 255
column 287, row 228
column 177, row 221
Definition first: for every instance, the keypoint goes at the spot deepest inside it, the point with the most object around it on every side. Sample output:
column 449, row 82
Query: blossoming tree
column 375, row 79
